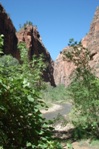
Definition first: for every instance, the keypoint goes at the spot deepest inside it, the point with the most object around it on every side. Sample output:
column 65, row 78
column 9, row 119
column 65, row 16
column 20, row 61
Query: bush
column 27, row 23
column 21, row 122
column 84, row 92
column 55, row 94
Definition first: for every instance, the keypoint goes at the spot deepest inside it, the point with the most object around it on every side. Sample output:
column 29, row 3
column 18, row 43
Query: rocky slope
column 63, row 68
column 30, row 36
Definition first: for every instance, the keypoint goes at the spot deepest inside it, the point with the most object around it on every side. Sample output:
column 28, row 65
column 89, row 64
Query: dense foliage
column 21, row 123
column 84, row 91
column 55, row 94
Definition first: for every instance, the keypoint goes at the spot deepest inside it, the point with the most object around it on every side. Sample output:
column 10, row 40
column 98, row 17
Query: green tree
column 25, row 24
column 21, row 122
column 84, row 91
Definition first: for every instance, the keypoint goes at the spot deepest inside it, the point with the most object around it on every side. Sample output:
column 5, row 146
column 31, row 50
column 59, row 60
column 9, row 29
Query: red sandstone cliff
column 63, row 68
column 8, row 30
column 30, row 35
column 91, row 41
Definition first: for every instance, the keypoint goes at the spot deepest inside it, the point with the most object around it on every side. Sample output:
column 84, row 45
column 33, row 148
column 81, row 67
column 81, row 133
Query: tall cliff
column 63, row 68
column 8, row 30
column 30, row 35
column 91, row 41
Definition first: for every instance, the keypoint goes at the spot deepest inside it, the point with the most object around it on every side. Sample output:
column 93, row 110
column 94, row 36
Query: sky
column 57, row 20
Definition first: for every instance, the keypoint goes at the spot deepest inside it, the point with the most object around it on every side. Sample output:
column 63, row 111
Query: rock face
column 8, row 30
column 31, row 37
column 63, row 68
column 91, row 41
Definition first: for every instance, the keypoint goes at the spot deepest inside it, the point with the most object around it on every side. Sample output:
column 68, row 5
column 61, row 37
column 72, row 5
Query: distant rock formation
column 63, row 68
column 31, row 37
column 8, row 30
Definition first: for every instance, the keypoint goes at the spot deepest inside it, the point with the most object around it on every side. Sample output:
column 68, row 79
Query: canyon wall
column 31, row 37
column 8, row 30
column 64, row 68
column 91, row 41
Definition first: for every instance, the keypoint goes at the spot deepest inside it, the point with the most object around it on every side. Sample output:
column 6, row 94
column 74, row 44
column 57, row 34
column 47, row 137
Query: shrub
column 21, row 122
column 26, row 24
column 84, row 91
column 55, row 94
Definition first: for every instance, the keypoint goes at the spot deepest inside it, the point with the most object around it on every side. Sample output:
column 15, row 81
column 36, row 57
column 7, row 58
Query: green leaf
column 30, row 98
